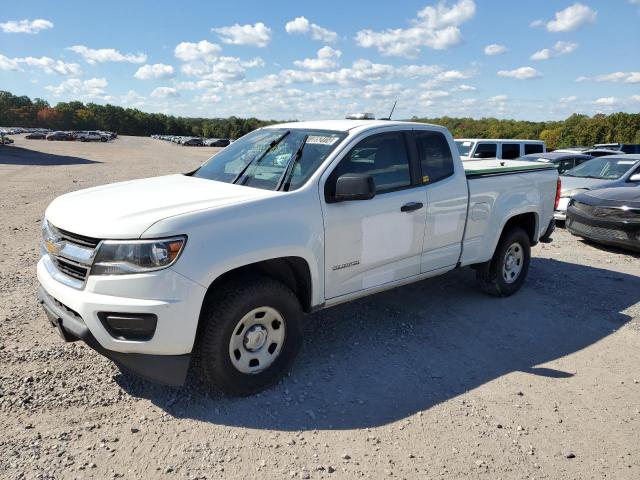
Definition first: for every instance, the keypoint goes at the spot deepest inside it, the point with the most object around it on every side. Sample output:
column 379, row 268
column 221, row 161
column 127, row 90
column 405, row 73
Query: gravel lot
column 432, row 380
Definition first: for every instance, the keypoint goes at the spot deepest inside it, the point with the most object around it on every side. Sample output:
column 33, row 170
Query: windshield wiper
column 257, row 158
column 290, row 166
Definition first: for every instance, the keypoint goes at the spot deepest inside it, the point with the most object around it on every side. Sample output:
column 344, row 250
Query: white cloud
column 446, row 76
column 431, row 95
column 494, row 49
column 258, row 34
column 25, row 26
column 572, row 18
column 464, row 88
column 498, row 99
column 436, row 27
column 615, row 77
column 606, row 101
column 51, row 66
column 221, row 68
column 636, row 98
column 46, row 64
column 560, row 48
column 326, row 59
column 569, row 99
column 522, row 73
column 94, row 87
column 203, row 50
column 9, row 64
column 157, row 70
column 544, row 54
column 537, row 23
column 165, row 92
column 303, row 26
column 102, row 55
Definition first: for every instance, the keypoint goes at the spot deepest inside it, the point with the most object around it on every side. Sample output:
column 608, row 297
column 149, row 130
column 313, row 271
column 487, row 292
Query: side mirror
column 635, row 177
column 354, row 186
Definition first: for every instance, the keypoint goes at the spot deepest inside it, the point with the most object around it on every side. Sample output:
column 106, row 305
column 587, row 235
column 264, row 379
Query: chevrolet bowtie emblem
column 54, row 245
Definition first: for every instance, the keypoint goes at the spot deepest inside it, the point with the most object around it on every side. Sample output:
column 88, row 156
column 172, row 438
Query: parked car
column 601, row 152
column 562, row 161
column 508, row 149
column 218, row 142
column 613, row 170
column 609, row 215
column 192, row 142
column 92, row 136
column 291, row 218
column 36, row 136
column 4, row 140
column 59, row 136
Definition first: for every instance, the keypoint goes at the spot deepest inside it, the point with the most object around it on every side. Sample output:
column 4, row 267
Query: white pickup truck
column 220, row 265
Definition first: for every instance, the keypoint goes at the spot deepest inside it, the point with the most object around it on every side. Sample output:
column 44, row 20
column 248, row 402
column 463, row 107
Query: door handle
column 411, row 206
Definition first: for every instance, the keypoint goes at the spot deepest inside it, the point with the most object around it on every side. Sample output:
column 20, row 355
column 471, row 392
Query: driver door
column 372, row 242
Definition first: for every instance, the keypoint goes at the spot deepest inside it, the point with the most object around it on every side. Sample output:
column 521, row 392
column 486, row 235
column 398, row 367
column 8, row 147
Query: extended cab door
column 372, row 242
column 447, row 197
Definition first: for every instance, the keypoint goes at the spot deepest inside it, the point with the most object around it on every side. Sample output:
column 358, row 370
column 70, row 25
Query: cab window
column 486, row 150
column 532, row 148
column 435, row 156
column 510, row 151
column 383, row 156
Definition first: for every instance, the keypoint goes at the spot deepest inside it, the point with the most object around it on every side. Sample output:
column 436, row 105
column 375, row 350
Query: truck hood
column 571, row 183
column 127, row 209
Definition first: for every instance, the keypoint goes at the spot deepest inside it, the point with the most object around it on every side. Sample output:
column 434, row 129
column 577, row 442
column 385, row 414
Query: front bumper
column 609, row 232
column 171, row 297
column 164, row 369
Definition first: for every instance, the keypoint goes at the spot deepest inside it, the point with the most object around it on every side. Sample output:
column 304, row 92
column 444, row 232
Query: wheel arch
column 294, row 272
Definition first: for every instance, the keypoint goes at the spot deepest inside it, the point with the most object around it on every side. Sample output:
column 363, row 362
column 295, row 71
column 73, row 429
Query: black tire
column 220, row 316
column 491, row 277
column 103, row 139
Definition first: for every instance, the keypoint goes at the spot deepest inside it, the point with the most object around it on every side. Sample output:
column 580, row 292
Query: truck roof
column 348, row 125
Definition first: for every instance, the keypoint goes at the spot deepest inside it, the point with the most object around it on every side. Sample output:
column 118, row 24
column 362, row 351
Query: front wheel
column 506, row 272
column 252, row 333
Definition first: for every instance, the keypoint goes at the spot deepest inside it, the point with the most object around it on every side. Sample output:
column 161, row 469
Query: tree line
column 21, row 111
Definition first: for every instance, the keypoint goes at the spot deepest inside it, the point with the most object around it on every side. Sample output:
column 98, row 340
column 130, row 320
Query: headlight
column 136, row 256
column 572, row 192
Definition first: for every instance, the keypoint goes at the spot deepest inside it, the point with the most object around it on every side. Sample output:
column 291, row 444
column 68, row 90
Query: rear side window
column 383, row 156
column 435, row 156
column 486, row 150
column 532, row 148
column 510, row 150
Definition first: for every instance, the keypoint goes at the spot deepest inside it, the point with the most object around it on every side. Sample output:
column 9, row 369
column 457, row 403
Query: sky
column 527, row 60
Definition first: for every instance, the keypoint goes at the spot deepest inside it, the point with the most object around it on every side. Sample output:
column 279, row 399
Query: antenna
column 392, row 109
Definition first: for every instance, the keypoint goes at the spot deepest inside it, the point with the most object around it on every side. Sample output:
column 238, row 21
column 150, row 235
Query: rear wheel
column 506, row 272
column 252, row 333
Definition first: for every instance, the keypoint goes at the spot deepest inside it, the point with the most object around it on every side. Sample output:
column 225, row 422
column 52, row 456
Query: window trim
column 414, row 168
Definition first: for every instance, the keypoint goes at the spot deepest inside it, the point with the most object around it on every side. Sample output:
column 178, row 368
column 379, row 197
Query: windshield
column 464, row 147
column 602, row 168
column 535, row 158
column 263, row 158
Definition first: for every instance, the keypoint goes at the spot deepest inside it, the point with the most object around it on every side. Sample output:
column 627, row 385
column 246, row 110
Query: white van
column 503, row 148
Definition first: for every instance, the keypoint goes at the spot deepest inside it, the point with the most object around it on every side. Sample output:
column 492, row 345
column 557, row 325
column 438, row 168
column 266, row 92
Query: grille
column 79, row 239
column 608, row 212
column 599, row 232
column 67, row 263
column 71, row 269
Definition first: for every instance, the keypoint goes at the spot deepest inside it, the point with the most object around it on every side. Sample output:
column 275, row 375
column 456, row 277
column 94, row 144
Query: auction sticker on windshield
column 321, row 140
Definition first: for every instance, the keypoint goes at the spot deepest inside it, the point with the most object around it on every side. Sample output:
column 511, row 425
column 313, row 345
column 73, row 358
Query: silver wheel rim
column 513, row 262
column 257, row 340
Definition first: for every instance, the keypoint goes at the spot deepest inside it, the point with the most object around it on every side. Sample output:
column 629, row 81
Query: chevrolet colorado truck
column 218, row 266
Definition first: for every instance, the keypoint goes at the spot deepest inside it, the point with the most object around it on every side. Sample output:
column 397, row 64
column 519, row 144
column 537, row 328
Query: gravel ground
column 432, row 380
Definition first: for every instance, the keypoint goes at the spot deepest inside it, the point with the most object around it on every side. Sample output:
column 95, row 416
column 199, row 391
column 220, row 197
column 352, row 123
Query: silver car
column 609, row 171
